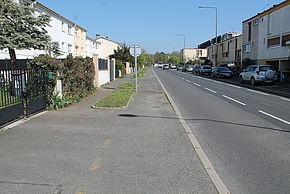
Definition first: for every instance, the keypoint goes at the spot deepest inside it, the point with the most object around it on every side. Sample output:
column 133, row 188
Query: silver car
column 258, row 73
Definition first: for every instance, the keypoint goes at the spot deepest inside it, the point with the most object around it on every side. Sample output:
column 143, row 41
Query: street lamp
column 183, row 43
column 216, row 27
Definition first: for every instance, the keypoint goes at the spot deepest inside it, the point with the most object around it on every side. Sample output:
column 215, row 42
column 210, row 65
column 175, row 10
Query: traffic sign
column 135, row 50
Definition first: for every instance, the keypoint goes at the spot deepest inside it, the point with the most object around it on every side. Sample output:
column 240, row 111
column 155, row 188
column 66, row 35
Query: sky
column 153, row 24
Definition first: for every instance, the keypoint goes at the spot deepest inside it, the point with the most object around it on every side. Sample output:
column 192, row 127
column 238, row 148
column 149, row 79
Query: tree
column 20, row 29
column 53, row 49
column 122, row 54
column 174, row 59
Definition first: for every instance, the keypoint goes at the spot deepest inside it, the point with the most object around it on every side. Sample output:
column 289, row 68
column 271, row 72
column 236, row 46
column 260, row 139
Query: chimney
column 107, row 37
column 98, row 36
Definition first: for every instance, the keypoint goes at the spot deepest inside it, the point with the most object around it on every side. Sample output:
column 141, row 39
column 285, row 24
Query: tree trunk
column 12, row 57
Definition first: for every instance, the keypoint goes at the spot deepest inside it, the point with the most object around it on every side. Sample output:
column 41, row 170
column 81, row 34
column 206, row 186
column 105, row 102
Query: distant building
column 266, row 37
column 80, row 41
column 92, row 47
column 106, row 46
column 193, row 54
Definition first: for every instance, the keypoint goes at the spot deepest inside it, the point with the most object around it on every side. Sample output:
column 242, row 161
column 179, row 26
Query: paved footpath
column 142, row 149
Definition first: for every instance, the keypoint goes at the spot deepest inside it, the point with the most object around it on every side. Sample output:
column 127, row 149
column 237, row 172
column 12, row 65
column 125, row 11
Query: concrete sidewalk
column 142, row 149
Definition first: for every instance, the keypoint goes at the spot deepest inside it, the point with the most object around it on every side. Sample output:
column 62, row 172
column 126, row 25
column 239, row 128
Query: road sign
column 135, row 50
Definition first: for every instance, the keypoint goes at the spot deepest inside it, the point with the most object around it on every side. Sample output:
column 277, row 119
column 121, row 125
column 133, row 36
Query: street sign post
column 136, row 51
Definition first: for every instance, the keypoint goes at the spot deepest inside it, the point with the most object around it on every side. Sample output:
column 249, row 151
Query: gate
column 112, row 70
column 22, row 92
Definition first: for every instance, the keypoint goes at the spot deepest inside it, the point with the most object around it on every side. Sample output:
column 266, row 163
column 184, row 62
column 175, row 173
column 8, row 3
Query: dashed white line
column 234, row 100
column 182, row 78
column 274, row 117
column 196, row 84
column 188, row 81
column 210, row 90
column 287, row 99
column 258, row 92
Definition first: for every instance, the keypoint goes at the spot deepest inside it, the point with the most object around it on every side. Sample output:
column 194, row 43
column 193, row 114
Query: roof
column 107, row 39
column 271, row 10
column 58, row 15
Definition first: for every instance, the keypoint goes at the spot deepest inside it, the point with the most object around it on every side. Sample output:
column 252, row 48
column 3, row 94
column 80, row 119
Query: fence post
column 96, row 64
column 114, row 68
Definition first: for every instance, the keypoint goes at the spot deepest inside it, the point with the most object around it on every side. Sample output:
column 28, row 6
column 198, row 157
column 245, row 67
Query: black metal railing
column 103, row 64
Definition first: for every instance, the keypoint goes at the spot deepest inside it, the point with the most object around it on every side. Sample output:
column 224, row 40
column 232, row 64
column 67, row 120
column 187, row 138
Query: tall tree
column 122, row 54
column 21, row 29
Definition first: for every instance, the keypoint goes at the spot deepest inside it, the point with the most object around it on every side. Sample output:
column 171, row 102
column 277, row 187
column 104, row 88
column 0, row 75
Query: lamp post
column 183, row 35
column 216, row 27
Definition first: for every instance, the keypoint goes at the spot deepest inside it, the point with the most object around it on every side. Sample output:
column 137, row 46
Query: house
column 106, row 46
column 193, row 54
column 266, row 37
column 227, row 50
column 80, row 41
column 92, row 47
column 60, row 29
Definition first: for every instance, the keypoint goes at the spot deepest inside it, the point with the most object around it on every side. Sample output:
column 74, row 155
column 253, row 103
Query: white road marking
column 188, row 81
column 287, row 99
column 234, row 86
column 274, row 117
column 217, row 181
column 210, row 90
column 182, row 78
column 197, row 84
column 234, row 100
column 258, row 92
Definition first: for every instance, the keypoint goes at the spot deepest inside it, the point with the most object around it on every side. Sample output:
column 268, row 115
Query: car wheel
column 241, row 80
column 218, row 76
column 253, row 82
column 211, row 75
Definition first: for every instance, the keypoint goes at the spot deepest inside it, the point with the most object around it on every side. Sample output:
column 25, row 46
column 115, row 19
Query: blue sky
column 153, row 24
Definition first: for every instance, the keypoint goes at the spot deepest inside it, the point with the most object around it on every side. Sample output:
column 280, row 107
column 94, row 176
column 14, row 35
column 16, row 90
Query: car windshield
column 224, row 69
column 207, row 68
column 266, row 68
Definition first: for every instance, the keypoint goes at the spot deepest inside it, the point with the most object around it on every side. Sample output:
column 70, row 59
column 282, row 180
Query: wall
column 80, row 41
column 106, row 47
column 104, row 77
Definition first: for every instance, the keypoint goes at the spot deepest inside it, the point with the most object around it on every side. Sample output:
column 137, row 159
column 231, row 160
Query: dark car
column 179, row 67
column 222, row 72
column 196, row 69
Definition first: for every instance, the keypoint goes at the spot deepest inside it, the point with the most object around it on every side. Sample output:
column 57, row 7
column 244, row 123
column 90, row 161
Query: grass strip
column 127, row 85
column 116, row 99
column 140, row 74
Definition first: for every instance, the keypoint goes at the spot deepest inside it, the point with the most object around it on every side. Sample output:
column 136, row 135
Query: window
column 250, row 31
column 70, row 30
column 63, row 47
column 247, row 48
column 256, row 22
column 62, row 27
column 286, row 40
column 273, row 42
column 69, row 48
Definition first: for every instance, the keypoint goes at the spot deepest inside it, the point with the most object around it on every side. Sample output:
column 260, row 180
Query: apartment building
column 60, row 29
column 266, row 37
column 92, row 47
column 106, row 46
column 193, row 54
column 80, row 41
column 228, row 49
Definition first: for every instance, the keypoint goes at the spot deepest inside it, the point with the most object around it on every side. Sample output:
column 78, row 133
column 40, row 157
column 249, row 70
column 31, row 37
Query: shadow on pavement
column 206, row 120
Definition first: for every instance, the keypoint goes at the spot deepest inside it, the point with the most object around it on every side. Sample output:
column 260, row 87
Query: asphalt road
column 245, row 133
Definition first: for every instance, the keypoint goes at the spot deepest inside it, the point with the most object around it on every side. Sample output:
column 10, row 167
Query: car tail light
column 257, row 72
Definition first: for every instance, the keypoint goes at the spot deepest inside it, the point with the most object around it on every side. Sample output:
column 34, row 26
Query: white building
column 92, row 47
column 106, row 47
column 61, row 30
column 193, row 54
column 267, row 37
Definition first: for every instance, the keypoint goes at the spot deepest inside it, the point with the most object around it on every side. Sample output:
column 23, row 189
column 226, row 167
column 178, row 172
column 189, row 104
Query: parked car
column 160, row 65
column 179, row 67
column 185, row 68
column 258, row 73
column 196, row 69
column 172, row 66
column 165, row 66
column 222, row 72
column 205, row 69
column 189, row 68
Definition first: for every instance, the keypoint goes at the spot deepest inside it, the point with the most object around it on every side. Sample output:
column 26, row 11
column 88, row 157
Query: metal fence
column 103, row 64
column 22, row 92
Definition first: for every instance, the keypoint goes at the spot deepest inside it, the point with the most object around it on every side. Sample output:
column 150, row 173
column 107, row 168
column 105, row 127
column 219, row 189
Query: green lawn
column 116, row 99
column 140, row 74
column 127, row 85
